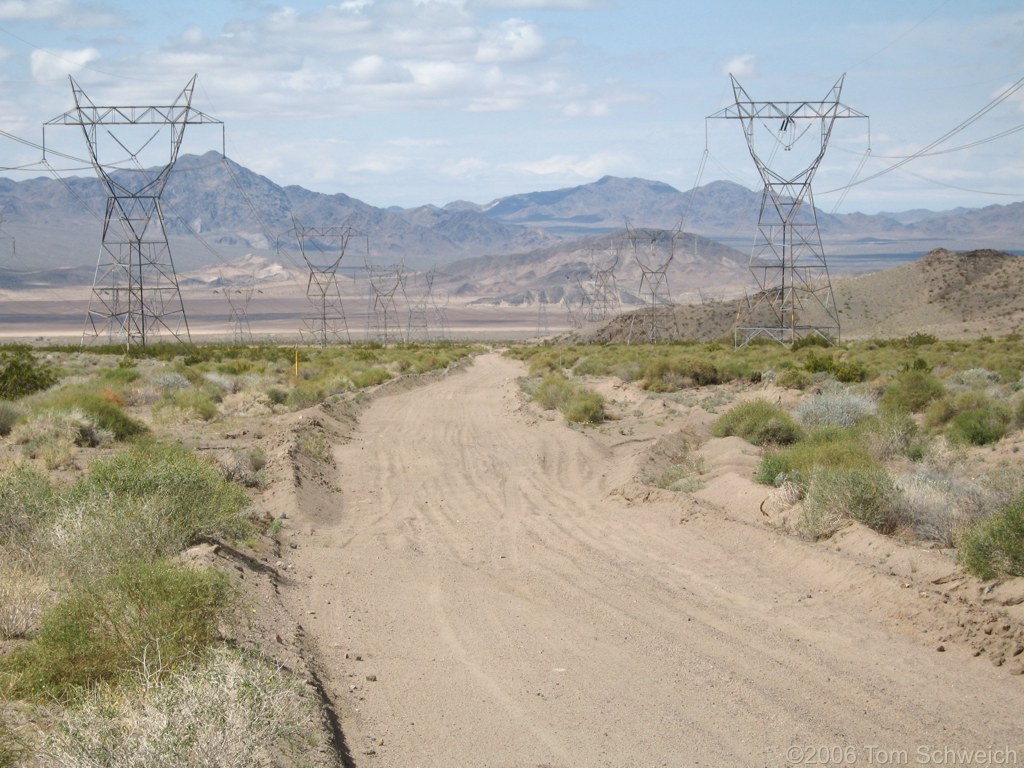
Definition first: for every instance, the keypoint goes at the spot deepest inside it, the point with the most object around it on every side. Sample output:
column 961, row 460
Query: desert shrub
column 314, row 444
column 21, row 373
column 774, row 469
column 939, row 412
column 553, row 390
column 912, row 390
column 673, row 374
column 794, row 378
column 27, row 502
column 306, row 394
column 103, row 628
column 187, row 404
column 189, row 492
column 246, row 467
column 759, row 422
column 107, row 414
column 51, row 435
column 994, row 546
column 12, row 747
column 936, row 505
column 9, row 416
column 23, row 597
column 824, row 447
column 849, row 371
column 229, row 710
column 893, row 434
column 840, row 408
column 584, row 406
column 867, row 495
column 172, row 381
column 370, row 377
column 121, row 375
column 812, row 340
column 983, row 424
column 974, row 378
column 575, row 402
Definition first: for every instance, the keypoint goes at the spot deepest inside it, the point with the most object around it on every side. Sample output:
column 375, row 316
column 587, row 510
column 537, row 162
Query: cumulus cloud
column 376, row 70
column 741, row 66
column 512, row 40
column 51, row 65
column 598, row 164
column 26, row 10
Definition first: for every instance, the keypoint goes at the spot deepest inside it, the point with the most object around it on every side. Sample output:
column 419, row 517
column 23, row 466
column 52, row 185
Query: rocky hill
column 218, row 211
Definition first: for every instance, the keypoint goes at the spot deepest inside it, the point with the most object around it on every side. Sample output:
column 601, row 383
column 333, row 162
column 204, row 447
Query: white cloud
column 376, row 70
column 513, row 40
column 586, row 109
column 741, row 66
column 570, row 5
column 24, row 10
column 377, row 163
column 465, row 167
column 51, row 65
column 598, row 164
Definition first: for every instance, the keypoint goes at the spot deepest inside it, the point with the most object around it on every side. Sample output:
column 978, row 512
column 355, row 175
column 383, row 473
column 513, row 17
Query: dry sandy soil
column 474, row 583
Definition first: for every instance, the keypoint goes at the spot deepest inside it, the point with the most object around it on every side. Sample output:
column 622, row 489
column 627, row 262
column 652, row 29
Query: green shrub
column 104, row 629
column 794, row 378
column 773, row 468
column 9, row 416
column 912, row 390
column 981, row 425
column 194, row 403
column 584, row 407
column 849, row 371
column 553, row 391
column 759, row 422
column 994, row 546
column 673, row 374
column 370, row 377
column 867, row 495
column 22, row 374
column 189, row 492
column 27, row 502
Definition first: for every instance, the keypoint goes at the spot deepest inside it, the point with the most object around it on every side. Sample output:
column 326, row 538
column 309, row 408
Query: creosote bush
column 103, row 628
column 867, row 495
column 993, row 547
column 575, row 402
column 21, row 373
column 759, row 422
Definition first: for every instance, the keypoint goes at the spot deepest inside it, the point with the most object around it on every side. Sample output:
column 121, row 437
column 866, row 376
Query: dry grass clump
column 24, row 596
column 993, row 547
column 867, row 495
column 837, row 408
column 231, row 710
column 577, row 403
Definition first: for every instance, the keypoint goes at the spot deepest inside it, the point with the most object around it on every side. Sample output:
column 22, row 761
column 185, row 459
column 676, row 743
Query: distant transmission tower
column 653, row 250
column 238, row 300
column 135, row 294
column 382, row 321
column 322, row 249
column 605, row 302
column 794, row 297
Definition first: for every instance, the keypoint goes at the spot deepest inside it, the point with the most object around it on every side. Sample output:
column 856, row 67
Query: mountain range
column 218, row 212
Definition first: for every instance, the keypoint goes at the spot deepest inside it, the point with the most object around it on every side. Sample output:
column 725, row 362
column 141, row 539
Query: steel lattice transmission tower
column 382, row 320
column 653, row 250
column 322, row 249
column 794, row 297
column 238, row 300
column 135, row 294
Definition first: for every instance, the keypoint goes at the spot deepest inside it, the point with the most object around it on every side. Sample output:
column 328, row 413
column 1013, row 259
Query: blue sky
column 409, row 102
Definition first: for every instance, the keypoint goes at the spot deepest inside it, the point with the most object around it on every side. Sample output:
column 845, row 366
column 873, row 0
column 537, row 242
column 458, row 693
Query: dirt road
column 482, row 595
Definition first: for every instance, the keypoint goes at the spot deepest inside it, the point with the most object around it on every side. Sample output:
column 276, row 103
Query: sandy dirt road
column 482, row 596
